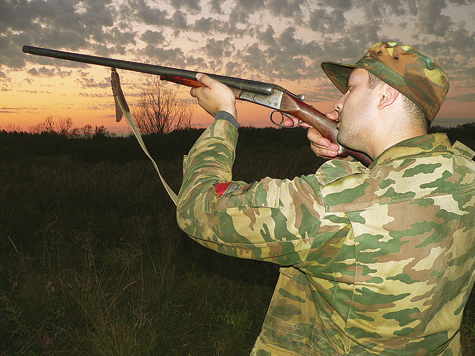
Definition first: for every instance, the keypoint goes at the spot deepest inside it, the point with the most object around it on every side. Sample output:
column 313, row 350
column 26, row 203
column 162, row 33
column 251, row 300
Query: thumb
column 205, row 79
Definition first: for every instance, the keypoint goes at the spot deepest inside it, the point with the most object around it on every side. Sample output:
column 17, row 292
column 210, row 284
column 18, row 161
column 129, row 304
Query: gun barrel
column 238, row 83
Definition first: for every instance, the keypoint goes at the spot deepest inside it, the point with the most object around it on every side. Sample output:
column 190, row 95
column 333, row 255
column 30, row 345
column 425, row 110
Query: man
column 375, row 261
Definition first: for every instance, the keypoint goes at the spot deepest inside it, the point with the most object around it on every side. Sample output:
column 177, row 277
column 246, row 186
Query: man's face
column 355, row 111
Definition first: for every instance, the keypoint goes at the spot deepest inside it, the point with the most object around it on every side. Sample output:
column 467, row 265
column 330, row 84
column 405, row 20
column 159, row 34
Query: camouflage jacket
column 376, row 260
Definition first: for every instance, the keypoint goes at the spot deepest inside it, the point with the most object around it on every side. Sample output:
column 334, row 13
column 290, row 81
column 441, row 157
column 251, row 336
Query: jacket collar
column 416, row 146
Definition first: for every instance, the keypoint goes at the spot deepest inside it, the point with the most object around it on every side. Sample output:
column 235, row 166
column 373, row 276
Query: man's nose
column 339, row 103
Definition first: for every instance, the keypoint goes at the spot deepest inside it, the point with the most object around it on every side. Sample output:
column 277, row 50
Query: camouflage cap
column 413, row 74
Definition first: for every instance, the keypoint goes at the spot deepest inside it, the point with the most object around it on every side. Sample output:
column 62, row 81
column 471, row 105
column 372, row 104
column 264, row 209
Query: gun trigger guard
column 282, row 119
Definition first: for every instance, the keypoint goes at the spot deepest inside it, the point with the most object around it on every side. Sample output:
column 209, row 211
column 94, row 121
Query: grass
column 93, row 262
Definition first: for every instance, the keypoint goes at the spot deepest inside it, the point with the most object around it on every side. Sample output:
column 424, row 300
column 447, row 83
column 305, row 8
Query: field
column 92, row 260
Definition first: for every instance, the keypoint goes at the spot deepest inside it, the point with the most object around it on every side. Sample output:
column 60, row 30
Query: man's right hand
column 321, row 146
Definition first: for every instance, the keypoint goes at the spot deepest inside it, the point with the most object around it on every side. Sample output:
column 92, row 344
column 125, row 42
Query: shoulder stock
column 295, row 107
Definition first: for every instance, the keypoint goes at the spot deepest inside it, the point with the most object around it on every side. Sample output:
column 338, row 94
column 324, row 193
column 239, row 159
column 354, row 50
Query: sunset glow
column 282, row 42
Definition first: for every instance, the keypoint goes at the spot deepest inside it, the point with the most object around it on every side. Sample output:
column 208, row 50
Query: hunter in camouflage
column 375, row 260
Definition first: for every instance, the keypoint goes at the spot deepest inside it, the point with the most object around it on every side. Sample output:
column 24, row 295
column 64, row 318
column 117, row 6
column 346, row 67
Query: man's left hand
column 214, row 96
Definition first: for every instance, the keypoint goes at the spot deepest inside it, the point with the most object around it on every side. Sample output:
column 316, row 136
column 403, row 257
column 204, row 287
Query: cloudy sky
column 279, row 41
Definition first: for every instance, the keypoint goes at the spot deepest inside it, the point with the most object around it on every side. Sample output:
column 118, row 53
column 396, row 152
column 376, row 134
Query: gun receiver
column 265, row 94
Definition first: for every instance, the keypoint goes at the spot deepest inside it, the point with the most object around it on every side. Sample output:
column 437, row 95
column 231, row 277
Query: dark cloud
column 216, row 6
column 233, row 69
column 239, row 15
column 377, row 10
column 53, row 23
column 286, row 8
column 251, row 6
column 162, row 56
column 343, row 5
column 267, row 37
column 94, row 95
column 48, row 72
column 192, row 6
column 86, row 81
column 179, row 21
column 153, row 37
column 461, row 2
column 142, row 12
column 205, row 25
column 430, row 19
column 411, row 7
column 220, row 48
column 324, row 21
column 255, row 57
column 462, row 41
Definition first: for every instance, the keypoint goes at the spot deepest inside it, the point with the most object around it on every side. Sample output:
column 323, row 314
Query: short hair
column 414, row 111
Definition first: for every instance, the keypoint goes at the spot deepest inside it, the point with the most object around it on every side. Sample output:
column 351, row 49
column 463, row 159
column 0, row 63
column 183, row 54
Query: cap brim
column 338, row 74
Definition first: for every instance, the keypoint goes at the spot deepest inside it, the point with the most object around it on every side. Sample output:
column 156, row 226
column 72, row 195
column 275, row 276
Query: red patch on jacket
column 228, row 188
column 221, row 188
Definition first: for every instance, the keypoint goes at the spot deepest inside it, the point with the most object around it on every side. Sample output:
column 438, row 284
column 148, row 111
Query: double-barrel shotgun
column 266, row 94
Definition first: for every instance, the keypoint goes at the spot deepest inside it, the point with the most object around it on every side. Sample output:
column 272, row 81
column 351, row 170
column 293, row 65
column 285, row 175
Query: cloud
column 251, row 6
column 48, row 72
column 179, row 21
column 461, row 2
column 430, row 19
column 267, row 37
column 206, row 25
column 273, row 40
column 255, row 57
column 192, row 5
column 375, row 10
column 142, row 12
column 216, row 7
column 86, row 81
column 466, row 97
column 153, row 37
column 326, row 22
column 43, row 71
column 286, row 8
column 343, row 5
column 218, row 49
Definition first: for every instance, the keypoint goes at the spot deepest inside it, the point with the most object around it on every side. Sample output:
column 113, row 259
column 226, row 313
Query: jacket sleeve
column 271, row 220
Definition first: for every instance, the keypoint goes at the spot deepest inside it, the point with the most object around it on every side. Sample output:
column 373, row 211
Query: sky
column 277, row 41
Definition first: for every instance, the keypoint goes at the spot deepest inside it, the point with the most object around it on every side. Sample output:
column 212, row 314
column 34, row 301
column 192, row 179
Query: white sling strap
column 122, row 109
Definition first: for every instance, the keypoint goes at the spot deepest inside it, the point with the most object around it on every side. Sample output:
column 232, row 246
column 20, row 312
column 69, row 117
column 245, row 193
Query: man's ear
column 388, row 96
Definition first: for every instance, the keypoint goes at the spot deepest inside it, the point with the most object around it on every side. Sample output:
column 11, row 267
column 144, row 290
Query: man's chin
column 347, row 142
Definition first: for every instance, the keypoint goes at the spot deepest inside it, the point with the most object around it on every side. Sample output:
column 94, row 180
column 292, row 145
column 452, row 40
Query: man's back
column 397, row 279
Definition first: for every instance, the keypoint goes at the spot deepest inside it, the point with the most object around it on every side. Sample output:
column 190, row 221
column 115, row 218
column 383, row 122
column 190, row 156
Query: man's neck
column 392, row 137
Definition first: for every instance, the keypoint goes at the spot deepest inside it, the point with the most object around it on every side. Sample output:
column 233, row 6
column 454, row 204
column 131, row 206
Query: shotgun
column 269, row 95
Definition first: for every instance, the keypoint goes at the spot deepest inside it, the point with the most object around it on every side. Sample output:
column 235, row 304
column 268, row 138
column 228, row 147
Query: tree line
column 159, row 111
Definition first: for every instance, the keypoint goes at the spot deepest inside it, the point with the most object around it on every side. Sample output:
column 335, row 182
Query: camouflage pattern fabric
column 375, row 261
column 404, row 68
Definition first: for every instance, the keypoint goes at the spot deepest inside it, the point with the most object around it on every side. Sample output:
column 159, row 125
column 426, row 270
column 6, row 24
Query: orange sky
column 272, row 43
column 31, row 104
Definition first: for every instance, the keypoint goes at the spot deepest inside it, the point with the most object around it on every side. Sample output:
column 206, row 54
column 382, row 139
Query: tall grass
column 93, row 263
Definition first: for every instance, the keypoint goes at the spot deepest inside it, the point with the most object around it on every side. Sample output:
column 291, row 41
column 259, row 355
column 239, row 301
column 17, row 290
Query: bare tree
column 62, row 126
column 161, row 111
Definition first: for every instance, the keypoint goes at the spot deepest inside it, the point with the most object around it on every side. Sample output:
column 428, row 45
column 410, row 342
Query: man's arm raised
column 214, row 96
